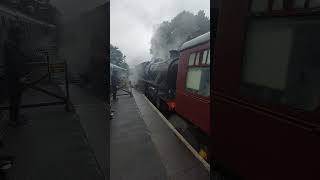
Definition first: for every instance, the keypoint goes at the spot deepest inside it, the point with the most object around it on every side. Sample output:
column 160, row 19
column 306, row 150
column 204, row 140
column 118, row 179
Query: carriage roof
column 198, row 40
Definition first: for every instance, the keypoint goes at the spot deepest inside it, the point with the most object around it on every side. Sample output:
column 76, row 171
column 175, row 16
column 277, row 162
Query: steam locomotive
column 181, row 84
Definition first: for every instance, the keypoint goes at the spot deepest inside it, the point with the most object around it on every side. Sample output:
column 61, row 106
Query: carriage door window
column 191, row 59
column 197, row 59
column 198, row 74
column 204, row 57
column 282, row 62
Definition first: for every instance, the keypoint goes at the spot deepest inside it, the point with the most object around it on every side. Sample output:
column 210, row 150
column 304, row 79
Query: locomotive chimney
column 174, row 54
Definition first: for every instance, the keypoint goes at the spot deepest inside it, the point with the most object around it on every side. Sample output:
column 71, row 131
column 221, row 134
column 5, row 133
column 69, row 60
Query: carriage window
column 281, row 63
column 191, row 59
column 198, row 80
column 204, row 57
column 205, row 82
column 193, row 79
column 197, row 59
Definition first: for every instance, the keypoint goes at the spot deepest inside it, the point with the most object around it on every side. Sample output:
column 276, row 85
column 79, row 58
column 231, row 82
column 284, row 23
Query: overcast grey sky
column 132, row 23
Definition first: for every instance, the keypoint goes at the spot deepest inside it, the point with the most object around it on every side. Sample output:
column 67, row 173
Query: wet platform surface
column 144, row 147
column 56, row 144
column 133, row 155
column 94, row 117
column 52, row 145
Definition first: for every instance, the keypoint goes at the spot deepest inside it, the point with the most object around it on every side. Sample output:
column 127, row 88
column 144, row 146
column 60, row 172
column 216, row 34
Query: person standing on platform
column 6, row 160
column 114, row 85
column 14, row 66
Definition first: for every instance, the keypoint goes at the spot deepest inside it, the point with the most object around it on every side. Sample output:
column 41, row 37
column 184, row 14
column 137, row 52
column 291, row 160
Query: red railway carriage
column 180, row 88
column 266, row 90
column 193, row 82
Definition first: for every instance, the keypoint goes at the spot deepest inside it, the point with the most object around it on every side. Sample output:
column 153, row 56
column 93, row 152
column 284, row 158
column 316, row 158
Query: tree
column 117, row 57
column 171, row 35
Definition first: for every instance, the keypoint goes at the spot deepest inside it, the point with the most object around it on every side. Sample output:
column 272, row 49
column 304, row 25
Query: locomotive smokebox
column 174, row 54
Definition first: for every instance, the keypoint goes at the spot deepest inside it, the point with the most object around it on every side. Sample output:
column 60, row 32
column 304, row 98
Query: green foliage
column 117, row 57
column 171, row 35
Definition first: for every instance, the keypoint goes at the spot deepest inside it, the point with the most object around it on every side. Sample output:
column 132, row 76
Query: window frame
column 274, row 107
column 288, row 9
column 206, row 59
column 199, row 65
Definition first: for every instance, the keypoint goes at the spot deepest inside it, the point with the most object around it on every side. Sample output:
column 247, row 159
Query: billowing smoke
column 171, row 35
column 137, row 73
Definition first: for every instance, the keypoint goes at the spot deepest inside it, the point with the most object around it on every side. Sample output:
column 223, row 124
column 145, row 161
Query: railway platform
column 53, row 144
column 144, row 147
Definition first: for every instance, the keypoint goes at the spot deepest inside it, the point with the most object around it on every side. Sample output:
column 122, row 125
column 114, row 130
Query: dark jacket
column 15, row 59
column 15, row 67
column 114, row 82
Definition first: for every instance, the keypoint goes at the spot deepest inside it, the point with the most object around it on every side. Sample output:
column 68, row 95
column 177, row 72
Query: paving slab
column 94, row 118
column 133, row 155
